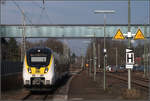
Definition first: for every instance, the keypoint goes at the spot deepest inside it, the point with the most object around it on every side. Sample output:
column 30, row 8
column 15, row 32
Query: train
column 42, row 68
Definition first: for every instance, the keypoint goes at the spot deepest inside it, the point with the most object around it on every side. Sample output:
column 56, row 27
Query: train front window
column 38, row 59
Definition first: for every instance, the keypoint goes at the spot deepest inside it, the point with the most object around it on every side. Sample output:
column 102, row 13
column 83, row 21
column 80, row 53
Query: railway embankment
column 11, row 81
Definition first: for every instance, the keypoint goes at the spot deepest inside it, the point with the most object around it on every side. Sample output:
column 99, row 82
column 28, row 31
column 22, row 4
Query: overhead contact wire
column 22, row 11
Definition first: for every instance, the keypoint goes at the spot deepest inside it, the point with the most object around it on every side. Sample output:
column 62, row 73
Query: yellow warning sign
column 119, row 35
column 139, row 35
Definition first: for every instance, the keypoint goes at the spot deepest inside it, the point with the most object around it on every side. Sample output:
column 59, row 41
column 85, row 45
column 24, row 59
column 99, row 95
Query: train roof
column 43, row 49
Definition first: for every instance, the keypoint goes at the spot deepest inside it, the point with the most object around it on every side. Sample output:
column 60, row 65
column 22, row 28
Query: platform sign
column 139, row 35
column 129, row 58
column 119, row 35
column 129, row 66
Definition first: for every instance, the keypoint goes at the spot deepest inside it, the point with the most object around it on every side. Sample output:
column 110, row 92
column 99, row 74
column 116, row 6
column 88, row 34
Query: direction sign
column 129, row 58
column 139, row 35
column 129, row 50
column 119, row 35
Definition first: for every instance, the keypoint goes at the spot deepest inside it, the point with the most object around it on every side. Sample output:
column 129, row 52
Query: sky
column 75, row 12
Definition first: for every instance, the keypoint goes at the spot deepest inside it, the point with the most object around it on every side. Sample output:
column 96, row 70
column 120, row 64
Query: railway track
column 142, row 79
column 37, row 96
column 26, row 97
column 138, row 82
column 55, row 93
column 134, row 76
column 60, row 92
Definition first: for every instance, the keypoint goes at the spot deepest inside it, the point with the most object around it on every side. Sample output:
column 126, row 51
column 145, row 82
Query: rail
column 137, row 82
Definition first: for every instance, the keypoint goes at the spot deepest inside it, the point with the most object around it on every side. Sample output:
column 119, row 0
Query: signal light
column 46, row 70
column 29, row 70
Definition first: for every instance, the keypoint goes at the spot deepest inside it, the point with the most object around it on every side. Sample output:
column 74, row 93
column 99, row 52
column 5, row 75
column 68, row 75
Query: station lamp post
column 104, row 12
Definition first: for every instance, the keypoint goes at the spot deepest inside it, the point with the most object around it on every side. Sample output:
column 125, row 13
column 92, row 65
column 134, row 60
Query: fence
column 8, row 67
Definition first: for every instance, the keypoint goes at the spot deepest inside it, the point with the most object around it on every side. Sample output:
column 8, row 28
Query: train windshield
column 38, row 59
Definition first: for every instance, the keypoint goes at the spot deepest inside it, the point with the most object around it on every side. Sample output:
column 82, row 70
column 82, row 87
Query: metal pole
column 145, row 52
column 147, row 64
column 129, row 21
column 23, row 47
column 106, row 11
column 99, row 55
column 94, row 58
column 82, row 59
column 149, row 48
column 105, row 54
column 148, row 57
column 129, row 41
column 116, row 58
column 22, row 42
column 24, row 36
column 43, row 1
column 63, row 44
column 90, row 60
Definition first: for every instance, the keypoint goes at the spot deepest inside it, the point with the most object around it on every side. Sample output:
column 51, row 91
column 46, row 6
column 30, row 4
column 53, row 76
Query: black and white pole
column 129, row 64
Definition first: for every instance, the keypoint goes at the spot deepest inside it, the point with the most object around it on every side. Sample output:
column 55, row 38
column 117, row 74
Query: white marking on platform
column 76, row 99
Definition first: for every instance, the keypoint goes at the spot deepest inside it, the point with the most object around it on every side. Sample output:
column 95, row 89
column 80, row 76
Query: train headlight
column 29, row 70
column 46, row 70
